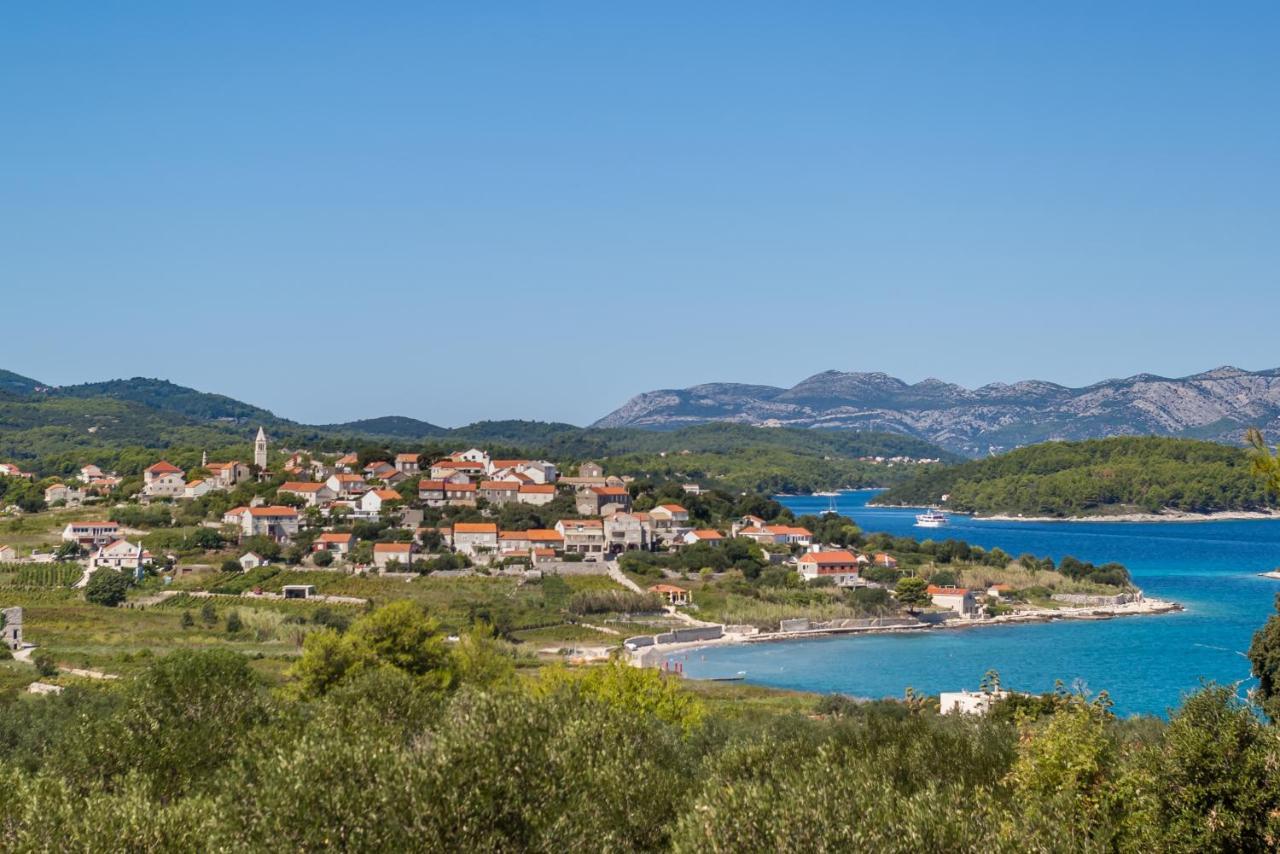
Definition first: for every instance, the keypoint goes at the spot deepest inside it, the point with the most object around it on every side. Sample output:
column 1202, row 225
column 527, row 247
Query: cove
column 1147, row 664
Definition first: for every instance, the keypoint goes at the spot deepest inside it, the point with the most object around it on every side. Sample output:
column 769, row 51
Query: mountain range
column 1216, row 405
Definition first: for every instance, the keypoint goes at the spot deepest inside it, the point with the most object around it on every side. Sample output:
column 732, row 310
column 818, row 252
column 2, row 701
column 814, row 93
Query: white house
column 62, row 492
column 89, row 473
column 278, row 523
column 475, row 538
column 372, row 502
column 120, row 554
column 840, row 566
column 582, row 536
column 345, row 485
column 251, row 560
column 968, row 702
column 958, row 599
column 91, row 534
column 314, row 494
column 471, row 455
column 669, row 516
column 196, row 488
column 336, row 544
column 536, row 494
column 704, row 535
column 387, row 553
column 8, row 553
column 163, row 480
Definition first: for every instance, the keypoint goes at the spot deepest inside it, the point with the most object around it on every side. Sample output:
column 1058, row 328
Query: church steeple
column 260, row 449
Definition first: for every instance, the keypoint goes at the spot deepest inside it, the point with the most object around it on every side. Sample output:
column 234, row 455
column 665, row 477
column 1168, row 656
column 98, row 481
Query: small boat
column 931, row 519
column 831, row 507
column 738, row 677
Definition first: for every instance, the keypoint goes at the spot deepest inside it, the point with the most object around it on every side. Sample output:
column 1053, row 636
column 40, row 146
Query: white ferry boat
column 931, row 519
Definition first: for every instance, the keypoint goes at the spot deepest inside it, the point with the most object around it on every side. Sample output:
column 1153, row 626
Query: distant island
column 1140, row 478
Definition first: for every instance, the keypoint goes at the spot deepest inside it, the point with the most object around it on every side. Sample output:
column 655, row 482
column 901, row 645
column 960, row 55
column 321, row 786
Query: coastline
column 1165, row 516
column 1145, row 607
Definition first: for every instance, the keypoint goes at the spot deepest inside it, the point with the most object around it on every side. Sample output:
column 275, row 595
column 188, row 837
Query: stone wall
column 1086, row 600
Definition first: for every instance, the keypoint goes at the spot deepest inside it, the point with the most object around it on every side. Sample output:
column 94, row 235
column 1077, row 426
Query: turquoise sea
column 1146, row 663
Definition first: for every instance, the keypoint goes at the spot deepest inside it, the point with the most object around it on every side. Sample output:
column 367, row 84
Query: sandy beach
column 1026, row 615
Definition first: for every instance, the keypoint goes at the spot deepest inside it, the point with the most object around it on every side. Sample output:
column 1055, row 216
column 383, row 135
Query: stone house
column 11, row 628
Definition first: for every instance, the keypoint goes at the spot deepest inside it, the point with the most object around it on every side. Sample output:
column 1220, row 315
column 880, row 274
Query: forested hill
column 1093, row 478
column 56, row 430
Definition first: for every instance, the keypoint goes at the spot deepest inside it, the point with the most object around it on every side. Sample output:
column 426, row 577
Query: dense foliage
column 1095, row 477
column 390, row 740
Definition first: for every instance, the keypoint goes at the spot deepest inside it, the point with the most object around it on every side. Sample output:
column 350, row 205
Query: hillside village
column 379, row 512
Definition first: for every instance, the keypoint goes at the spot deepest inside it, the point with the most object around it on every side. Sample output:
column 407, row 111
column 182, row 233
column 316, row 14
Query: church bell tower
column 260, row 449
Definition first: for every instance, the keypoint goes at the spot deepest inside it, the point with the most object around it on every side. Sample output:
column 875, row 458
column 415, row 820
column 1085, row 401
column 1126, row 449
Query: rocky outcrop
column 1216, row 405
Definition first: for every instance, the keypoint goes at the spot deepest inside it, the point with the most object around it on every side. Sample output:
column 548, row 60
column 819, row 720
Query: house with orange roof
column 314, row 494
column 407, row 464
column 536, row 494
column 196, row 488
column 703, row 535
column 471, row 455
column 346, row 485
column 499, row 491
column 347, row 463
column 476, row 539
column 337, row 544
column 432, row 492
column 668, row 516
column 525, row 541
column 460, row 494
column 673, row 594
column 392, row 556
column 840, row 566
column 11, row 470
column 89, row 473
column 118, row 554
column 278, row 523
column 373, row 501
column 602, row 500
column 228, row 475
column 582, row 536
column 444, row 469
column 163, row 480
column 885, row 560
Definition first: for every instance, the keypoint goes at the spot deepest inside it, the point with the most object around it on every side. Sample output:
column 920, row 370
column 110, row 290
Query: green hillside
column 122, row 423
column 1097, row 477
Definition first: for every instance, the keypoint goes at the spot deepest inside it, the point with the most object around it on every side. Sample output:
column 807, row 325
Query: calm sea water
column 1146, row 663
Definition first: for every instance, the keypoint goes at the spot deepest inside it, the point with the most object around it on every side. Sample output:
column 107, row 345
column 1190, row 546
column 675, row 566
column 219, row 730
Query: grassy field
column 43, row 531
column 120, row 640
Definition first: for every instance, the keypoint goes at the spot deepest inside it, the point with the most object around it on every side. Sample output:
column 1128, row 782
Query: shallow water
column 1146, row 663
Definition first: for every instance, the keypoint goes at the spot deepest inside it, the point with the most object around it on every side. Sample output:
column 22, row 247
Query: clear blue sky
column 536, row 210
